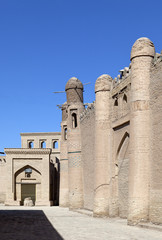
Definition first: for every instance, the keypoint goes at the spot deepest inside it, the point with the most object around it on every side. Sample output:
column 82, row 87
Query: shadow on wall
column 26, row 225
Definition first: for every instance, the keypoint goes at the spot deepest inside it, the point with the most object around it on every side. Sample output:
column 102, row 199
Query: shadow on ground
column 26, row 225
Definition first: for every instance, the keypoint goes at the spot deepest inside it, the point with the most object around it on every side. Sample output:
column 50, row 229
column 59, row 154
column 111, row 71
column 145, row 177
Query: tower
column 142, row 55
column 74, row 92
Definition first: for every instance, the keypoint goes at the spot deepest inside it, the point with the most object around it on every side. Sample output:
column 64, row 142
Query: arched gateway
column 27, row 184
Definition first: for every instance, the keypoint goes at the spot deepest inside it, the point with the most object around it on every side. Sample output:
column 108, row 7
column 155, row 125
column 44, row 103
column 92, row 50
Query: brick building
column 109, row 158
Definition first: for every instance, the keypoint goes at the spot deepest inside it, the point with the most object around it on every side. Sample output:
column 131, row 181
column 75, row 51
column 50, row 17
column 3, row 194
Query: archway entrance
column 123, row 162
column 28, row 190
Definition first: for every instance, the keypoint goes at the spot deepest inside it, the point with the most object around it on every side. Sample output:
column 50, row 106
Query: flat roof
column 41, row 134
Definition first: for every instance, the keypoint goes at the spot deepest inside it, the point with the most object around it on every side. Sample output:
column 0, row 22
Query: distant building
column 31, row 171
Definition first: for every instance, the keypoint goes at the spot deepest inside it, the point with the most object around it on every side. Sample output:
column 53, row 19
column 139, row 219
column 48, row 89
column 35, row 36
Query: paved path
column 50, row 223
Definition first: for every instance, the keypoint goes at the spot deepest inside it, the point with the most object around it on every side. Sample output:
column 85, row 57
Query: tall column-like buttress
column 139, row 168
column 74, row 91
column 102, row 146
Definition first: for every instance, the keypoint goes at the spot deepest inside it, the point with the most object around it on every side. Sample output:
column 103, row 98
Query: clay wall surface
column 120, row 117
column 88, row 139
column 3, row 179
column 73, row 97
column 156, row 144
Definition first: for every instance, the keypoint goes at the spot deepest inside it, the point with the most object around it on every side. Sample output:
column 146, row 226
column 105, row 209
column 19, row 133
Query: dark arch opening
column 74, row 120
column 125, row 98
column 43, row 144
column 65, row 134
column 126, row 134
column 116, row 102
column 55, row 144
column 31, row 144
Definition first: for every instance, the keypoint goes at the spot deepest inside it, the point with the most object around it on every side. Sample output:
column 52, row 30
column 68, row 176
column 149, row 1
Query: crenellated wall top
column 87, row 111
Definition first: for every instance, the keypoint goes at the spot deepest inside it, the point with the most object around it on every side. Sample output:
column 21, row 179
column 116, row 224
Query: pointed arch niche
column 27, row 184
column 122, row 159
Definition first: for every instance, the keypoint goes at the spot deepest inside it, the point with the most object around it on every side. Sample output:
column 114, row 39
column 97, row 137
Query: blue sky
column 43, row 43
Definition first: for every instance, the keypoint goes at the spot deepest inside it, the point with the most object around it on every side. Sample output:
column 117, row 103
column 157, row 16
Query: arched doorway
column 123, row 165
column 27, row 184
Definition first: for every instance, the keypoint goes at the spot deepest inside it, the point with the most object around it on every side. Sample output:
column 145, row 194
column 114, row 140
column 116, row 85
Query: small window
column 74, row 120
column 125, row 98
column 116, row 102
column 65, row 134
column 55, row 144
column 31, row 144
column 43, row 144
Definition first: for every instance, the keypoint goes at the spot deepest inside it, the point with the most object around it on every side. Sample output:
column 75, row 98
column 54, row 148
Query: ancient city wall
column 119, row 121
column 110, row 151
column 156, row 142
column 88, row 140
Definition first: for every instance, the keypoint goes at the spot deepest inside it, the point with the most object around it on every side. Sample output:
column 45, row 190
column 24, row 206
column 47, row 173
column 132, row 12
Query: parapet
column 74, row 83
column 64, row 111
column 157, row 58
column 124, row 73
column 64, row 105
column 143, row 47
column 103, row 83
column 87, row 111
